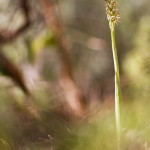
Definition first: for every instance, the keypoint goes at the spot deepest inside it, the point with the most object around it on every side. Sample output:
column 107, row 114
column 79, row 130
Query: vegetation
column 113, row 17
column 57, row 88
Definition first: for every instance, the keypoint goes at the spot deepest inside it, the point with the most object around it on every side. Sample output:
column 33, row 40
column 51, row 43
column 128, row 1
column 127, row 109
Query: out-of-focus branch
column 74, row 96
column 9, row 69
column 6, row 66
column 9, row 35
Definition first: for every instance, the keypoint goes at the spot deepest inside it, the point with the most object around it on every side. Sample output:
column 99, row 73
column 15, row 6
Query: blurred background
column 57, row 75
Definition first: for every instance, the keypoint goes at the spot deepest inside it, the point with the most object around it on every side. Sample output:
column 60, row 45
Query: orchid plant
column 113, row 17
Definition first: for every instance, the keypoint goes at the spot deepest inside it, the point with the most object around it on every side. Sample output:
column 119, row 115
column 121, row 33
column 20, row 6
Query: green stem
column 118, row 95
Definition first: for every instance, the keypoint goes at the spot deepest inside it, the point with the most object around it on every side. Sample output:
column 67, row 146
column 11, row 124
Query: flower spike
column 113, row 15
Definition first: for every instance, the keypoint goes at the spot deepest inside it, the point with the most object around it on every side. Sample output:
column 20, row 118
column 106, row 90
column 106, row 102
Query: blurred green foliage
column 137, row 64
column 35, row 46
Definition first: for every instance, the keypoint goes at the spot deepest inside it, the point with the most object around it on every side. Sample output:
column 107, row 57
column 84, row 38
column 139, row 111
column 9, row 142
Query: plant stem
column 118, row 95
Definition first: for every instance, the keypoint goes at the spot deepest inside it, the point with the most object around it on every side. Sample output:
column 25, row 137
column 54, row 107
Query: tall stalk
column 113, row 17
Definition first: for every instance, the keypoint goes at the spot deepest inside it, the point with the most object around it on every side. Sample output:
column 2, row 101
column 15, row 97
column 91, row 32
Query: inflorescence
column 113, row 15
